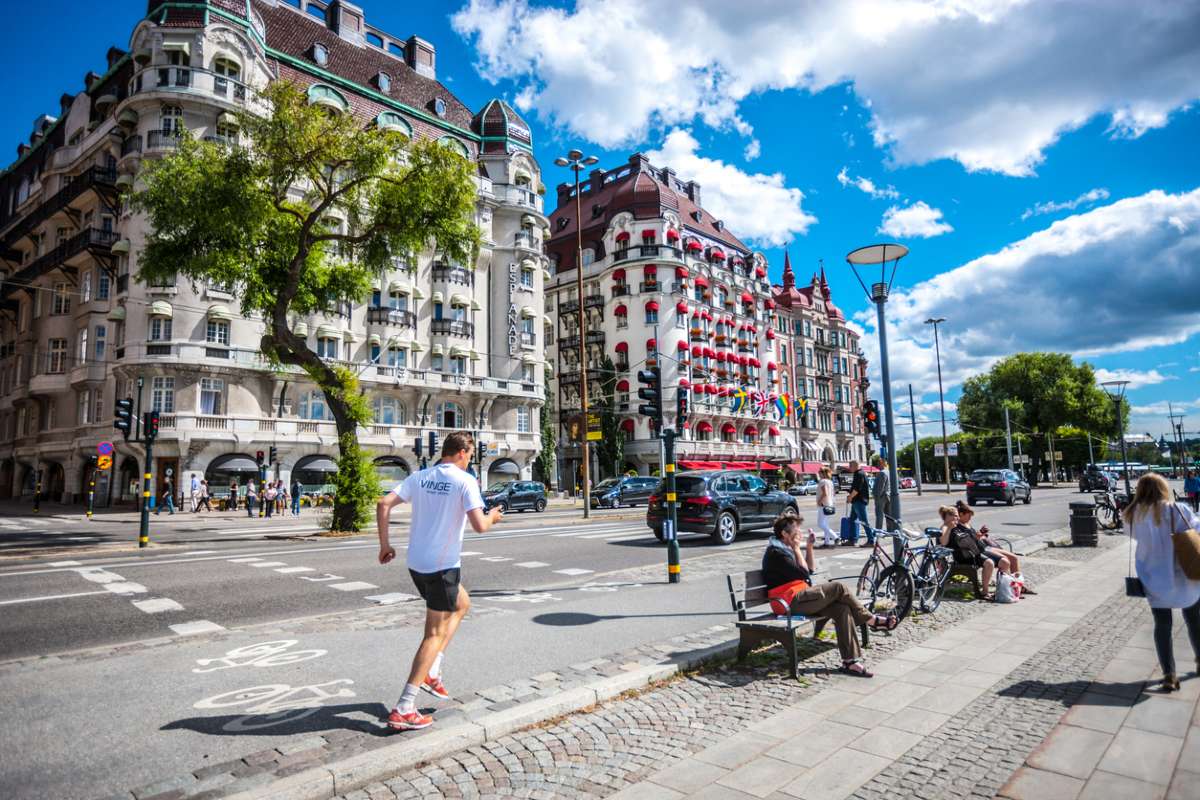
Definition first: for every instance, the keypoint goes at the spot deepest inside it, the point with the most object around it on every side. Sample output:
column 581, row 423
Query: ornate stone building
column 439, row 346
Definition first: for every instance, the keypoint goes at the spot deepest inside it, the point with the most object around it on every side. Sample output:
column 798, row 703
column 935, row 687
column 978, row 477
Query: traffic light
column 433, row 444
column 273, row 455
column 681, row 407
column 150, row 425
column 417, row 446
column 651, row 392
column 870, row 414
column 258, row 457
column 124, row 416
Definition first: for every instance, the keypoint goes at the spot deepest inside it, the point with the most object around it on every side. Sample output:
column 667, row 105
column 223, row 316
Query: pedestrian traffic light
column 417, row 446
column 651, row 392
column 870, row 414
column 258, row 457
column 124, row 416
column 273, row 455
column 150, row 425
column 681, row 407
column 433, row 444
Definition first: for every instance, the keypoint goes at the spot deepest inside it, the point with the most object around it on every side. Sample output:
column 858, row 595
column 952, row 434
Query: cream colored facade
column 438, row 347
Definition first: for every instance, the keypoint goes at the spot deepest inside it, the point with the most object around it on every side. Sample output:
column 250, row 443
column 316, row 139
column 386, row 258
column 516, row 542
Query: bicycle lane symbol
column 271, row 704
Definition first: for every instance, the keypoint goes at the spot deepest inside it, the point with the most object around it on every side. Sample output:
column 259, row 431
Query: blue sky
column 1051, row 200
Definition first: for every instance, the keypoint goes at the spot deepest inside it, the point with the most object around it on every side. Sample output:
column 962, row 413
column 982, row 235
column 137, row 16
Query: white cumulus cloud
column 755, row 206
column 989, row 83
column 1086, row 199
column 918, row 220
column 1137, row 378
column 866, row 185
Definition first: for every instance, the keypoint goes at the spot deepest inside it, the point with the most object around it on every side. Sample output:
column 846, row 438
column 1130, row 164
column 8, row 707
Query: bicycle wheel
column 931, row 583
column 864, row 589
column 1108, row 518
column 893, row 592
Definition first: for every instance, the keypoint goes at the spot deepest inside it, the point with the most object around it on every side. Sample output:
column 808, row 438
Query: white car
column 802, row 488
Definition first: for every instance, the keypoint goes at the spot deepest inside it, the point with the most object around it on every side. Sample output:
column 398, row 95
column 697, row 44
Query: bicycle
column 933, row 571
column 886, row 579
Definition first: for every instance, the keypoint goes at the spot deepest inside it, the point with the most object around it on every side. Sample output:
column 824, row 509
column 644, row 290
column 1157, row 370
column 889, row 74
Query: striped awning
column 117, row 313
column 438, row 297
column 328, row 332
column 374, row 339
column 460, row 300
column 437, row 350
column 459, row 352
column 301, row 329
column 527, row 312
column 219, row 311
column 161, row 308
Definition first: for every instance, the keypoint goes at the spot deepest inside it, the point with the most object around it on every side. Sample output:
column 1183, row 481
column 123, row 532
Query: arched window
column 390, row 411
column 321, row 95
column 455, row 145
column 450, row 415
column 312, row 405
column 227, row 67
column 391, row 121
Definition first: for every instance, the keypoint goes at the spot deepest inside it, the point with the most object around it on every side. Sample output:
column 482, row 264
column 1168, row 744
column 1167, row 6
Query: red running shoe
column 412, row 721
column 435, row 687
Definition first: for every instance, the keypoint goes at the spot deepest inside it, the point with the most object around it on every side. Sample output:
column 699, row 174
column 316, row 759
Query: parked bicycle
column 1109, row 506
column 886, row 583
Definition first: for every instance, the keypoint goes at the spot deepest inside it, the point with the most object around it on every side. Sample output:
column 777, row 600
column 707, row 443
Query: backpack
column 966, row 547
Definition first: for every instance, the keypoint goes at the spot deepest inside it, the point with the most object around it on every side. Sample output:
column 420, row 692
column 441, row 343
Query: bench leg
column 793, row 656
column 864, row 634
column 746, row 642
column 979, row 592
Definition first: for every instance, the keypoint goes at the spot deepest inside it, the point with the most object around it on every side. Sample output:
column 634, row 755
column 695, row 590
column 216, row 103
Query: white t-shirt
column 441, row 498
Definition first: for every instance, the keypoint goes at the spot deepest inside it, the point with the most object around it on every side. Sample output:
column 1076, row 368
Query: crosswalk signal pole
column 37, row 493
column 671, row 527
column 92, row 489
column 144, row 527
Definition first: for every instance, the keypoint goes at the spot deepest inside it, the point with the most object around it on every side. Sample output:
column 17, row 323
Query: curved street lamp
column 869, row 256
column 1116, row 391
column 576, row 162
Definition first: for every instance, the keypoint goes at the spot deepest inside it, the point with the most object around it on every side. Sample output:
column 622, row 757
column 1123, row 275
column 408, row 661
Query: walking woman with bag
column 825, row 506
column 1168, row 566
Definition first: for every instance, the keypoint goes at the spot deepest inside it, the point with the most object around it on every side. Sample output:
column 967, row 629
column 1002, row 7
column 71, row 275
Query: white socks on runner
column 435, row 671
column 408, row 700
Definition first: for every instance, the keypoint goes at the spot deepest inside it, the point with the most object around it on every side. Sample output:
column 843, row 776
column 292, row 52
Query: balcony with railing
column 593, row 301
column 92, row 240
column 132, row 145
column 621, row 290
column 449, row 274
column 649, row 287
column 452, row 327
column 162, row 140
column 647, row 251
column 101, row 179
column 528, row 241
column 164, row 78
column 391, row 316
column 518, row 196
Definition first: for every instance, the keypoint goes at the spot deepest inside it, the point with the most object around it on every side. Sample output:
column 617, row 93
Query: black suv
column 627, row 491
column 997, row 484
column 1094, row 478
column 720, row 503
column 515, row 496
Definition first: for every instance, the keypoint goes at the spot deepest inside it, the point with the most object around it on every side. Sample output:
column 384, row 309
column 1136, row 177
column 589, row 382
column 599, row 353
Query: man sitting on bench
column 787, row 573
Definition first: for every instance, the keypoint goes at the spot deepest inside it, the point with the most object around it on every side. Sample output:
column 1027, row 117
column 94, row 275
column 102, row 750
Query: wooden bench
column 758, row 623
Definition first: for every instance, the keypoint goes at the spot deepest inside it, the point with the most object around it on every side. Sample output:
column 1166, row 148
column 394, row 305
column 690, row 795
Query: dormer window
column 562, row 223
column 320, row 54
column 718, row 225
column 699, row 217
column 439, row 107
column 384, row 82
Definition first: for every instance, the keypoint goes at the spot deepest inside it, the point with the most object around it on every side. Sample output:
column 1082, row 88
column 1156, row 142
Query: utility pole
column 1053, row 465
column 1091, row 457
column 1177, row 430
column 1008, row 437
column 1021, row 456
column 937, row 348
column 916, row 442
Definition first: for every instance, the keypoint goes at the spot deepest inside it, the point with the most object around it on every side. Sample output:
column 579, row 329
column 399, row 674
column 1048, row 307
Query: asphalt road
column 548, row 591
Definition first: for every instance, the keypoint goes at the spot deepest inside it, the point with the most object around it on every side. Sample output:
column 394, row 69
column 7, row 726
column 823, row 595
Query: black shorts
column 438, row 589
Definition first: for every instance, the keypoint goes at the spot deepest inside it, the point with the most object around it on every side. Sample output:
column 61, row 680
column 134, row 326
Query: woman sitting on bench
column 990, row 548
column 970, row 547
column 787, row 572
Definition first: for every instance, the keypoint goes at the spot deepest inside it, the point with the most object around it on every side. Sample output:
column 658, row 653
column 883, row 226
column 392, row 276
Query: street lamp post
column 576, row 162
column 1116, row 390
column 871, row 255
column 937, row 349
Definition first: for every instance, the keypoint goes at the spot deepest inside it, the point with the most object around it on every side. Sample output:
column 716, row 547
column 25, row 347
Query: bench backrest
column 746, row 591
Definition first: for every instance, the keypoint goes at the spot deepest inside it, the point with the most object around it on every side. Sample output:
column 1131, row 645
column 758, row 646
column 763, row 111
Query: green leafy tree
column 1043, row 392
column 300, row 218
column 543, row 465
column 610, row 450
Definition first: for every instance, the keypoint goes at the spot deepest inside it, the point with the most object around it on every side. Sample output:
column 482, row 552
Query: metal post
column 583, row 352
column 1124, row 455
column 670, row 526
column 1091, row 456
column 1021, row 456
column 880, row 296
column 37, row 493
column 942, row 402
column 1053, row 465
column 1008, row 437
column 262, row 490
column 916, row 442
column 144, row 526
column 91, row 489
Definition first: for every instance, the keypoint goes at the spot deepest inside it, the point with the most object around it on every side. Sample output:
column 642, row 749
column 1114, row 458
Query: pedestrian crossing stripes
column 157, row 605
column 196, row 627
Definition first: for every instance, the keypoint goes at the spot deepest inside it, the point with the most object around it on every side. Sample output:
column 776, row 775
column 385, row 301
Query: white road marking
column 200, row 552
column 49, row 597
column 82, row 539
column 573, row 571
column 293, row 570
column 65, row 563
column 195, row 628
column 98, row 575
column 326, row 577
column 389, row 599
column 246, row 560
column 125, row 587
column 157, row 605
column 470, row 553
column 261, row 564
column 271, row 529
column 495, row 558
column 352, row 586
column 531, row 564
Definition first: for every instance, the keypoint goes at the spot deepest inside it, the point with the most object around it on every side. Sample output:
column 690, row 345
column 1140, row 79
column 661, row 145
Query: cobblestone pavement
column 595, row 754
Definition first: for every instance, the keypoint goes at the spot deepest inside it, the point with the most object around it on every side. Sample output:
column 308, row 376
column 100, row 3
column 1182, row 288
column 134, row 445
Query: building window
column 160, row 329
column 398, row 301
column 458, row 365
column 681, row 322
column 101, row 341
column 217, row 332
column 450, row 415
column 85, row 288
column 85, row 408
column 57, row 361
column 384, row 82
column 327, row 347
column 171, row 118
column 320, row 52
column 82, row 354
column 389, row 411
column 211, row 392
column 523, row 425
column 651, row 316
column 527, row 373
column 97, row 405
column 60, row 301
column 527, row 278
column 162, row 395
column 589, row 256
column 397, row 357
column 102, row 285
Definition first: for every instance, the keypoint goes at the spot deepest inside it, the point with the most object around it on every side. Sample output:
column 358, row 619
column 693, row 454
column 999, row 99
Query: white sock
column 408, row 699
column 436, row 670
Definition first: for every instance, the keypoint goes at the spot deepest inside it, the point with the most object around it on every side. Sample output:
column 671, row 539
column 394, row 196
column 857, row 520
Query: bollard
column 1085, row 527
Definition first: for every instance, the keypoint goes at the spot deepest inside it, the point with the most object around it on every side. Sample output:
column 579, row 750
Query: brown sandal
column 861, row 672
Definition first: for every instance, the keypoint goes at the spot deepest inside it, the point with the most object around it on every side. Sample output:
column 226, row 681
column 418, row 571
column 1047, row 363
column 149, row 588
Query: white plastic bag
column 1007, row 589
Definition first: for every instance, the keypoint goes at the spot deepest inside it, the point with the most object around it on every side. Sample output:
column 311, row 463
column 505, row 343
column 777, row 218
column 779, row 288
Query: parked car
column 515, row 496
column 802, row 488
column 908, row 483
column 1095, row 479
column 720, row 504
column 997, row 484
column 627, row 491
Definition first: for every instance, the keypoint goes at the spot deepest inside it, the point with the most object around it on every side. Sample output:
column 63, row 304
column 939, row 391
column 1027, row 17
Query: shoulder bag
column 1187, row 549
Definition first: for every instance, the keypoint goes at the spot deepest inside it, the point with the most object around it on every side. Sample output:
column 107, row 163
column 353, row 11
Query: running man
column 443, row 497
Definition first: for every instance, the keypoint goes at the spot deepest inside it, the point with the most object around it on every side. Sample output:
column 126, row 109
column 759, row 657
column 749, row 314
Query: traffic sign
column 103, row 462
column 104, row 449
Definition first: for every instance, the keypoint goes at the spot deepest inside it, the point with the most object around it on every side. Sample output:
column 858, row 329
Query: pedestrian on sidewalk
column 269, row 498
column 825, row 506
column 204, row 497
column 251, row 497
column 233, row 496
column 860, row 493
column 166, row 498
column 787, row 572
column 1152, row 519
column 443, row 498
column 194, row 494
column 1191, row 488
column 296, row 490
column 882, row 497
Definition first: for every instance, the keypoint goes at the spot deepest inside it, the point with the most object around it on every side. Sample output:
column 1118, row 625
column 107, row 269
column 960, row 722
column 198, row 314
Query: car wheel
column 539, row 506
column 1011, row 499
column 970, row 500
column 658, row 534
column 615, row 503
column 1028, row 497
column 503, row 507
column 727, row 528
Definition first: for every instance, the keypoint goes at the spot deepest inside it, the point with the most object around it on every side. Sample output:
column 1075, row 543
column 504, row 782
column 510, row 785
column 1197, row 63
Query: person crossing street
column 444, row 497
column 881, row 494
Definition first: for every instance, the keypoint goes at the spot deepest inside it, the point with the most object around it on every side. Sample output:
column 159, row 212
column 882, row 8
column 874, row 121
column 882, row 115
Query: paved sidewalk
column 1124, row 737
